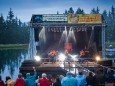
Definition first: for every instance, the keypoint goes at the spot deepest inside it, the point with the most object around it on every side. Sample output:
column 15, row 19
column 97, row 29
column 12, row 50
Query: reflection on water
column 10, row 61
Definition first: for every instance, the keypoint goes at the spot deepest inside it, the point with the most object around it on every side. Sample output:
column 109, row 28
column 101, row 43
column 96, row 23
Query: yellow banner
column 90, row 18
column 85, row 18
column 72, row 18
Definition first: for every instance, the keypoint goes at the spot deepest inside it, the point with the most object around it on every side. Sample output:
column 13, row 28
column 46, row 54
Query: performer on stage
column 52, row 55
column 67, row 55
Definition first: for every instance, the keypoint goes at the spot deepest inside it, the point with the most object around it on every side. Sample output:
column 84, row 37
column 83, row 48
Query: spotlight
column 98, row 58
column 74, row 57
column 37, row 58
column 62, row 57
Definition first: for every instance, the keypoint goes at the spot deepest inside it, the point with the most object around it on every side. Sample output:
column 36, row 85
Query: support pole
column 103, row 41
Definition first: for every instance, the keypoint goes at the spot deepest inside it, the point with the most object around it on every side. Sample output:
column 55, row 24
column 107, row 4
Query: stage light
column 61, row 65
column 37, row 58
column 74, row 57
column 98, row 58
column 62, row 57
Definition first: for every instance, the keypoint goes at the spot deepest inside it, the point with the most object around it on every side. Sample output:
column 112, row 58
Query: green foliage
column 12, row 30
column 80, row 11
column 70, row 11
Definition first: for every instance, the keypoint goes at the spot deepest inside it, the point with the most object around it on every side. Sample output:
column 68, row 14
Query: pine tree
column 113, row 13
column 70, row 11
column 66, row 12
column 10, row 15
column 93, row 11
column 80, row 11
column 97, row 11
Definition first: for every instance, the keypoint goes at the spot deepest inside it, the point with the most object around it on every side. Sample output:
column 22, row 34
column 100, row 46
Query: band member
column 67, row 56
column 52, row 55
column 82, row 53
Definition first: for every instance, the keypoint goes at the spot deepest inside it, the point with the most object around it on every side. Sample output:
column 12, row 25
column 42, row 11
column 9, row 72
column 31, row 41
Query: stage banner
column 37, row 19
column 54, row 17
column 72, row 18
column 90, row 18
column 84, row 18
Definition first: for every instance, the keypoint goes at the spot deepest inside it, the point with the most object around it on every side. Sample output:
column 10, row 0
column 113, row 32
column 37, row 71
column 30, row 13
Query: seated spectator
column 20, row 81
column 30, row 80
column 9, row 82
column 1, row 81
column 44, row 81
column 80, row 80
column 68, row 80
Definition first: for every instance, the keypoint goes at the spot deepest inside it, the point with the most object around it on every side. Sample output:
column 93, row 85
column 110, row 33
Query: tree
column 93, row 11
column 80, row 11
column 10, row 15
column 113, row 13
column 57, row 12
column 105, row 17
column 66, row 12
column 2, row 28
column 97, row 11
column 70, row 11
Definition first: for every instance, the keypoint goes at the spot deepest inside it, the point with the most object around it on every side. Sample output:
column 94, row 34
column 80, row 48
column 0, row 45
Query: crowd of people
column 99, row 79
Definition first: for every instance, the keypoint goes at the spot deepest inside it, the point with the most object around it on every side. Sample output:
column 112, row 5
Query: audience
column 20, row 81
column 9, row 82
column 44, row 81
column 80, row 80
column 1, row 81
column 30, row 80
column 68, row 80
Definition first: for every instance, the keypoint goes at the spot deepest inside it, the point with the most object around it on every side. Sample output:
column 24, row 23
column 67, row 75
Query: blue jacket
column 68, row 81
column 30, row 80
column 80, row 80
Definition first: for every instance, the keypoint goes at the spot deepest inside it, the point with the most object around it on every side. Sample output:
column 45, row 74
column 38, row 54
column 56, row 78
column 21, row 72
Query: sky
column 24, row 9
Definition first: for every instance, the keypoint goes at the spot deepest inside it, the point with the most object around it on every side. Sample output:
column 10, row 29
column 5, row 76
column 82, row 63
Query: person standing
column 1, row 81
column 90, row 80
column 30, row 80
column 20, row 81
column 9, row 82
column 80, row 80
column 109, row 79
column 68, row 80
column 55, row 81
column 44, row 81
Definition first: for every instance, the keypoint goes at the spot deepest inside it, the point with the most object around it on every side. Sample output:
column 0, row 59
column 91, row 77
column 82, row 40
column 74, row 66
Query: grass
column 13, row 46
column 111, row 43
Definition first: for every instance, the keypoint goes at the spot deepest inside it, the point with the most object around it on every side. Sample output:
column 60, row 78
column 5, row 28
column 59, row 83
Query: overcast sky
column 24, row 9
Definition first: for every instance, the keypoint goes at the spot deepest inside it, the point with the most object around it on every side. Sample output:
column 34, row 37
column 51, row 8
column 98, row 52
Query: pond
column 10, row 61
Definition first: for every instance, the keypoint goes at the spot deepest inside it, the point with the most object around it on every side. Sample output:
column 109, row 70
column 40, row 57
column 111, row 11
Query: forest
column 13, row 31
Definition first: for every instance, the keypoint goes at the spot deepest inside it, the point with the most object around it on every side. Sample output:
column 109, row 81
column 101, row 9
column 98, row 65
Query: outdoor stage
column 61, row 33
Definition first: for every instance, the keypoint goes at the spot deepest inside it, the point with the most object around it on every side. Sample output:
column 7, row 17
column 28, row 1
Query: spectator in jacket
column 9, row 82
column 55, row 81
column 30, row 80
column 68, row 80
column 90, row 79
column 1, row 81
column 20, row 81
column 109, row 79
column 80, row 80
column 44, row 81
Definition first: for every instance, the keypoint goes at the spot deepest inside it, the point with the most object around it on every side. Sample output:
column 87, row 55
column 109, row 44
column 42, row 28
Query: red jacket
column 20, row 82
column 44, row 82
column 1, row 83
